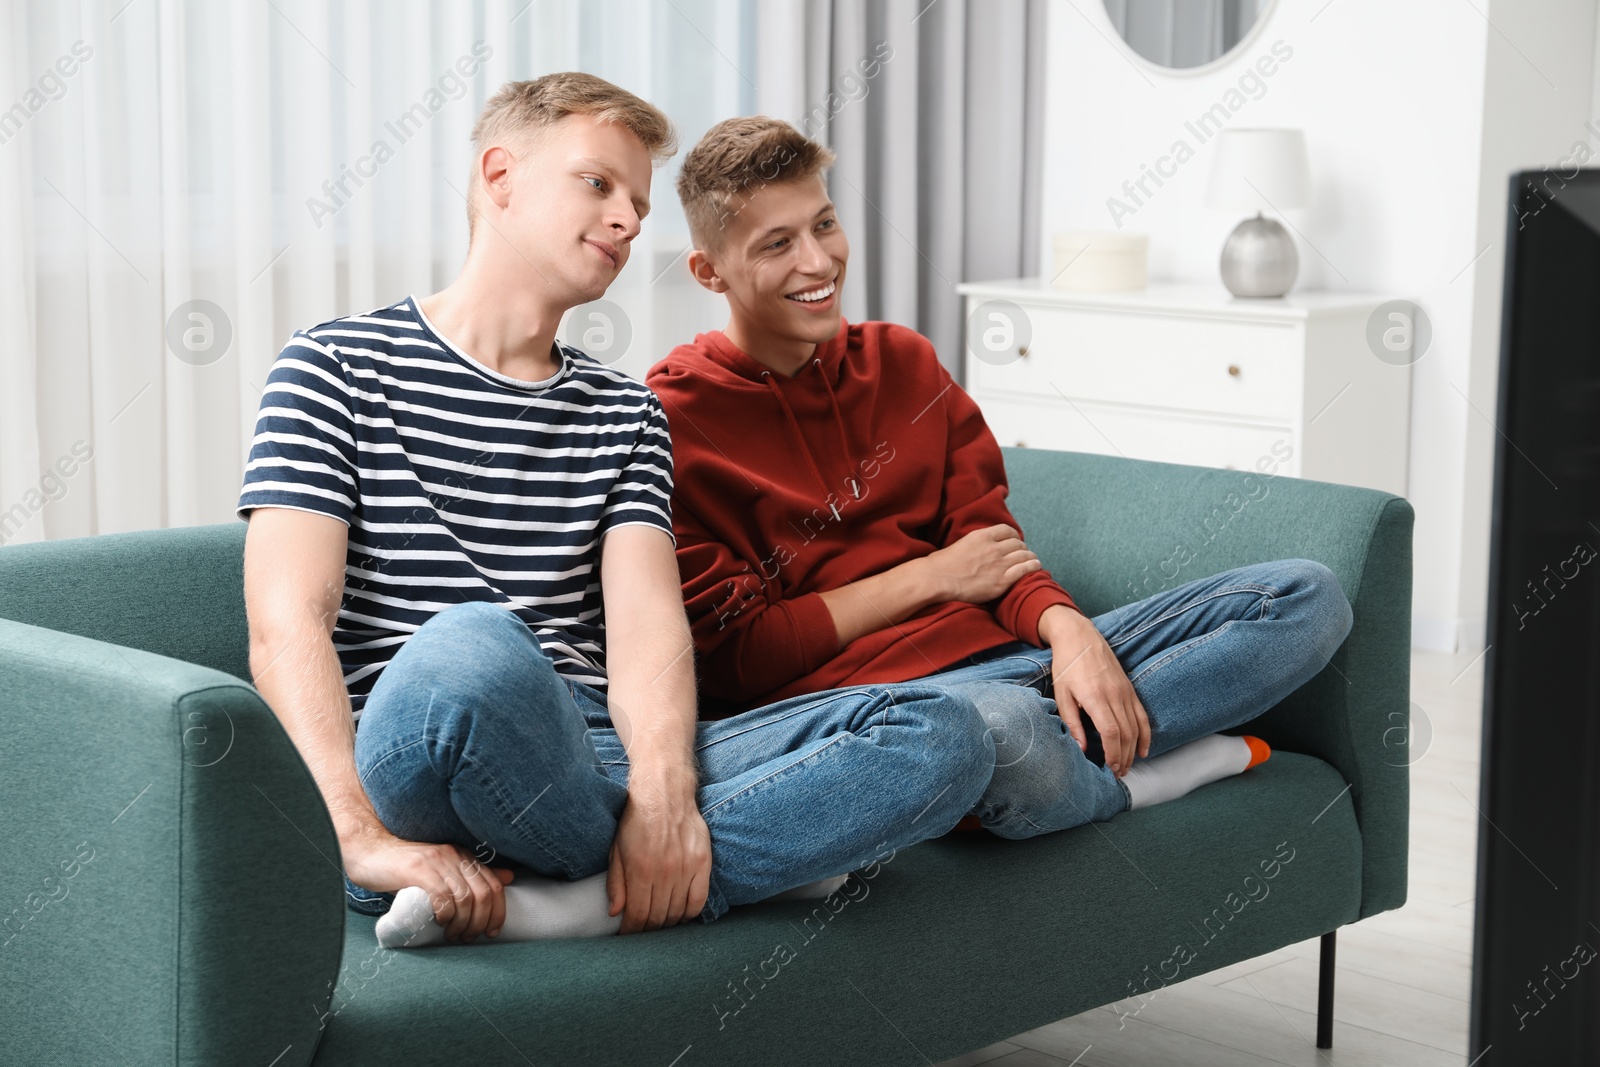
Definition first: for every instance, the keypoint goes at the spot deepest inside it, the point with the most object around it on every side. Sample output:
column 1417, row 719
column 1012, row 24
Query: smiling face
column 781, row 264
column 566, row 208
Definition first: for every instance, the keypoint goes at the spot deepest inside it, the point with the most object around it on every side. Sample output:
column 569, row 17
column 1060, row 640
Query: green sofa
column 172, row 892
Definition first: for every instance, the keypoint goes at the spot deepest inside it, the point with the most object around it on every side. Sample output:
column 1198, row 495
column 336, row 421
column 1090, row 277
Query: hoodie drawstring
column 838, row 422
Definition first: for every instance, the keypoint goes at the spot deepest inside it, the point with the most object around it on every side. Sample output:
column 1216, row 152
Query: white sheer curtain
column 284, row 162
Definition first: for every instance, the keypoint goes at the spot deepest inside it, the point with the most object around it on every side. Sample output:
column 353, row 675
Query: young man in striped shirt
column 841, row 520
column 464, row 604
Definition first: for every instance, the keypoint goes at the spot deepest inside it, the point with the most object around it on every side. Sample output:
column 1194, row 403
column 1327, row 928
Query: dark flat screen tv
column 1536, row 951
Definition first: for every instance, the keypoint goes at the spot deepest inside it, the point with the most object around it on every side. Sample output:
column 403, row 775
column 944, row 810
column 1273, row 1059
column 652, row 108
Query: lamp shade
column 1260, row 169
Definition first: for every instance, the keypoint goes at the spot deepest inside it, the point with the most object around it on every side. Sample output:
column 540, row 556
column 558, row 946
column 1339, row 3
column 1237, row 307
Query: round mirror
column 1186, row 36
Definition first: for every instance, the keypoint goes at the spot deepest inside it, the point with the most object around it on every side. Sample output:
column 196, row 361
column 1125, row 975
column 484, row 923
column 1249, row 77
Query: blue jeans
column 470, row 737
column 1203, row 657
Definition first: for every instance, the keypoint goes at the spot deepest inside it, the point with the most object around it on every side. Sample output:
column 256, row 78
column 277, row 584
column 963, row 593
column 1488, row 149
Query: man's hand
column 1088, row 676
column 982, row 565
column 468, row 898
column 660, row 859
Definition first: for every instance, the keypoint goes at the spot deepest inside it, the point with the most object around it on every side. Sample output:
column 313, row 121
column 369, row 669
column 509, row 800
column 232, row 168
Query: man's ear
column 705, row 272
column 494, row 174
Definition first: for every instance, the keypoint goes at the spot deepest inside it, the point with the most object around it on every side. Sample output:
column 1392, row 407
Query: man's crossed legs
column 1203, row 657
column 471, row 738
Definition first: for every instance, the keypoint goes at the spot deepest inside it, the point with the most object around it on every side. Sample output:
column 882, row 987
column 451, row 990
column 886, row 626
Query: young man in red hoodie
column 840, row 519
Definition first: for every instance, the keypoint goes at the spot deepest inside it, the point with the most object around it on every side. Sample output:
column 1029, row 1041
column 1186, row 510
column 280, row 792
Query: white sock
column 536, row 908
column 822, row 887
column 1188, row 767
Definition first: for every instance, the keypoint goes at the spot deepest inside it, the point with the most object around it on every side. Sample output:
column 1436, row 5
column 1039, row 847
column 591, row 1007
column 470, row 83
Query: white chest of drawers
column 1191, row 374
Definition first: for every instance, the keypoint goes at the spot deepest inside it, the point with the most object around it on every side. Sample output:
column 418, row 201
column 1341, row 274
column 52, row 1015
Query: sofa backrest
column 180, row 592
column 176, row 592
column 1113, row 530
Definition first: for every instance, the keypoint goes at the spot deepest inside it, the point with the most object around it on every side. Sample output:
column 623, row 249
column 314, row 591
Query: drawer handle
column 1022, row 351
column 1233, row 369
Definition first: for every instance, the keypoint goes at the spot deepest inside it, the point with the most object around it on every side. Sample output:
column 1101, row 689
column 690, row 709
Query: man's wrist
column 351, row 824
column 1057, row 621
column 672, row 778
column 924, row 582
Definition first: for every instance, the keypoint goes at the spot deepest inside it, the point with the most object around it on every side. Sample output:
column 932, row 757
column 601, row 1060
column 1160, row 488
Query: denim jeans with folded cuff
column 470, row 737
column 1203, row 657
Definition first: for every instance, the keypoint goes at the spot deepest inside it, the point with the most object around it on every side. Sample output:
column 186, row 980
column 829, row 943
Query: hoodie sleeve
column 974, row 497
column 750, row 639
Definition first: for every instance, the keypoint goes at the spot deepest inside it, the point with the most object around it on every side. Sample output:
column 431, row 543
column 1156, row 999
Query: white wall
column 1405, row 195
column 1539, row 91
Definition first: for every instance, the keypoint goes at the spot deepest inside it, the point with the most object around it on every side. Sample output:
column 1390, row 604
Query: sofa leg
column 1325, row 993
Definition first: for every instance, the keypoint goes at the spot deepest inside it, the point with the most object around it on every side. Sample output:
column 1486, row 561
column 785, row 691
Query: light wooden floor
column 1401, row 993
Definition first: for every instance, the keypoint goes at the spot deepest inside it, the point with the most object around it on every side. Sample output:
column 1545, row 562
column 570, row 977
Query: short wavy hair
column 735, row 158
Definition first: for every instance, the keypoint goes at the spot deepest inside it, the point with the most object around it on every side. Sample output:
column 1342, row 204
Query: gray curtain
column 937, row 180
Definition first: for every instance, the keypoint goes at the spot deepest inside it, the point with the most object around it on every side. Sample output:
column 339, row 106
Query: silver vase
column 1259, row 259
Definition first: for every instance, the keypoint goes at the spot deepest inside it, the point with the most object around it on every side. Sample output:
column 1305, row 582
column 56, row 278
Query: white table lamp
column 1259, row 168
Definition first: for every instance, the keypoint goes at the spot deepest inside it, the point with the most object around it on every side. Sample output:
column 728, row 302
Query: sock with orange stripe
column 1188, row 767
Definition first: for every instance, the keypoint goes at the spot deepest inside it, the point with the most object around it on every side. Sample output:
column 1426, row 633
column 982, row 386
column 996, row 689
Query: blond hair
column 521, row 111
column 733, row 159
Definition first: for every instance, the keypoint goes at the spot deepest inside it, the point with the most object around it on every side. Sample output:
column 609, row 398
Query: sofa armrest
column 171, row 887
column 1113, row 530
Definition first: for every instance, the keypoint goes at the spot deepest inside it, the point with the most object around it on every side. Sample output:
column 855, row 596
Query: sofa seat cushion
column 948, row 946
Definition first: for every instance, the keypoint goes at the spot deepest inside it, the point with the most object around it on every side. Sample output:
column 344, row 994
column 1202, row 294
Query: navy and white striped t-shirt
column 457, row 483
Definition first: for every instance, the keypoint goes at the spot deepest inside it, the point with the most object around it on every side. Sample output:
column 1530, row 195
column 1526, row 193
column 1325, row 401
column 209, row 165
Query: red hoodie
column 786, row 488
